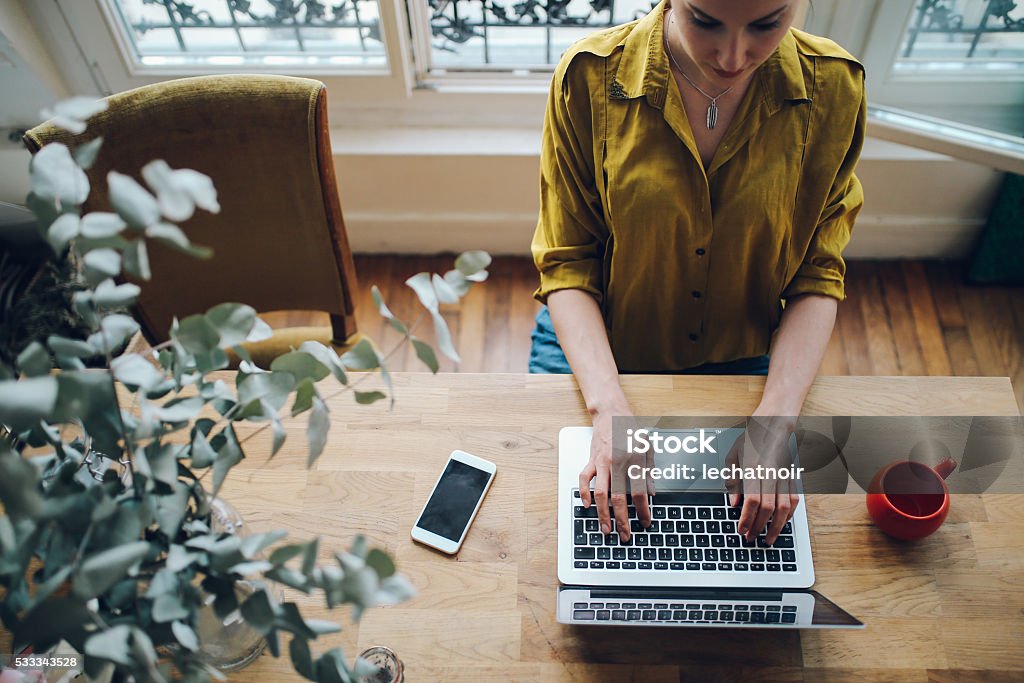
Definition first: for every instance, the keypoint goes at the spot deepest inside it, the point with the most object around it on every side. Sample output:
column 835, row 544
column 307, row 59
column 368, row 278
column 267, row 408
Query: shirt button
column 693, row 336
column 696, row 294
column 700, row 252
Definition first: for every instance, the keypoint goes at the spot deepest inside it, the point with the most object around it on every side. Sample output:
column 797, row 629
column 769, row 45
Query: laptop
column 689, row 568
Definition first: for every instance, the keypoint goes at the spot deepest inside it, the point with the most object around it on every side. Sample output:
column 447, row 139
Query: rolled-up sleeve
column 823, row 269
column 568, row 244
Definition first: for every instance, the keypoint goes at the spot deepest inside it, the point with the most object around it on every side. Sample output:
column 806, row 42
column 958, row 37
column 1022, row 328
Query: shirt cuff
column 570, row 275
column 815, row 280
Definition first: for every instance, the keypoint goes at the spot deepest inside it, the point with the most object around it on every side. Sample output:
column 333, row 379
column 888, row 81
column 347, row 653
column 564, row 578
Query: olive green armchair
column 279, row 241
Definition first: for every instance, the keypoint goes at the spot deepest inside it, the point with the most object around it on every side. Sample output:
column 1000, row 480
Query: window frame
column 873, row 31
column 109, row 64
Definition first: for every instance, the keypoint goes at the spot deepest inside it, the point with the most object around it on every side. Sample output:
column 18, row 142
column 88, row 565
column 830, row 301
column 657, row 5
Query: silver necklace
column 712, row 118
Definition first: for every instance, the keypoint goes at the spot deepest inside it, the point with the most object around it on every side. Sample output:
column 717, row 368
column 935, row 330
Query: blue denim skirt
column 547, row 358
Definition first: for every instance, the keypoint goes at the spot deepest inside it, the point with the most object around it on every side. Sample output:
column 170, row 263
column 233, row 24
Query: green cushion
column 1000, row 256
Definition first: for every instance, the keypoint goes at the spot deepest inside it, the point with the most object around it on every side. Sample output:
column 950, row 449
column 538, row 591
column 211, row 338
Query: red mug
column 909, row 500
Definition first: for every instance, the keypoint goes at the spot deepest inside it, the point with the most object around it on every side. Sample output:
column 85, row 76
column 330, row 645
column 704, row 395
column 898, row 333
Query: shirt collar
column 644, row 70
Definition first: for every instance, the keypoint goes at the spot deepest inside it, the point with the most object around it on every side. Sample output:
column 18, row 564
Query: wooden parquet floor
column 900, row 318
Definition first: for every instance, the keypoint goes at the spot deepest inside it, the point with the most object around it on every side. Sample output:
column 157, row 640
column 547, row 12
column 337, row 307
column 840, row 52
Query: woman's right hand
column 608, row 469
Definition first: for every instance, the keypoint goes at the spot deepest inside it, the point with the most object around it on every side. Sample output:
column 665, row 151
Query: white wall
column 439, row 190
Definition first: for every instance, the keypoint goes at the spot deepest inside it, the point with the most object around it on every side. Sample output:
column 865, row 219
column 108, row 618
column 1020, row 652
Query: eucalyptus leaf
column 458, row 282
column 274, row 387
column 179, row 410
column 72, row 113
column 56, row 178
column 132, row 202
column 380, row 563
column 24, row 402
column 302, row 660
column 134, row 370
column 102, row 570
column 286, row 552
column 309, row 556
column 424, row 288
column 111, row 644
column 64, row 229
column 328, row 357
column 19, row 485
column 233, row 322
column 173, row 236
column 425, row 352
column 178, row 558
column 111, row 295
column 75, row 348
column 163, row 461
column 85, row 155
column 362, row 356
column 34, row 360
column 304, row 394
column 229, row 455
column 301, row 365
column 168, row 607
column 471, row 263
column 136, row 259
column 250, row 567
column 378, row 300
column 251, row 545
column 259, row 611
column 202, row 454
column 180, row 191
column 261, row 331
column 100, row 224
column 445, row 293
column 316, row 430
column 115, row 330
column 197, row 334
column 184, row 634
column 444, row 337
column 279, row 436
column 367, row 397
column 104, row 262
column 393, row 590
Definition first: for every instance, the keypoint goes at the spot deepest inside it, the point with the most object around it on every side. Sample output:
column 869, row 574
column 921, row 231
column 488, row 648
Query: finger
column 586, row 475
column 751, row 503
column 643, row 508
column 794, row 501
column 601, row 499
column 764, row 512
column 783, row 511
column 621, row 511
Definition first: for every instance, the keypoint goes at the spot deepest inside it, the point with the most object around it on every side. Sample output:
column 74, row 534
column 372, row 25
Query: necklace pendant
column 712, row 114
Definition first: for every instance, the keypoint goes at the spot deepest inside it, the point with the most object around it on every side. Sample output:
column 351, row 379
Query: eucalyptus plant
column 107, row 540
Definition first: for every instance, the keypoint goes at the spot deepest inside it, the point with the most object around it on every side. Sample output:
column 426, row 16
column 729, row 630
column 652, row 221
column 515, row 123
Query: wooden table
column 946, row 608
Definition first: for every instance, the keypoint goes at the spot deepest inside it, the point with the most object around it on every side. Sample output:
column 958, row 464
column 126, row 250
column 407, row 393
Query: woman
column 697, row 190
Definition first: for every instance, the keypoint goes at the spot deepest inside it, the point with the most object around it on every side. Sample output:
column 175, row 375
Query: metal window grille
column 254, row 32
column 511, row 34
column 943, row 34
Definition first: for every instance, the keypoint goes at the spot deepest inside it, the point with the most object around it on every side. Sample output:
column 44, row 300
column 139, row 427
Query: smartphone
column 454, row 502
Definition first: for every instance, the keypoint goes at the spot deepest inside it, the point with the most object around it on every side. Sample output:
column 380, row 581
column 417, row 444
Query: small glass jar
column 389, row 667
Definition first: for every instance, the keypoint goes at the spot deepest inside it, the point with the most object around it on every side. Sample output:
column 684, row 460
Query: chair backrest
column 279, row 241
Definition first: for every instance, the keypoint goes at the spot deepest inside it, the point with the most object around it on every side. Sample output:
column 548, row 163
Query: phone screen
column 453, row 500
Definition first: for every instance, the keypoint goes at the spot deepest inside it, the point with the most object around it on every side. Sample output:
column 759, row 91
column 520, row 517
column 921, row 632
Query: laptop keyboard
column 692, row 532
column 685, row 613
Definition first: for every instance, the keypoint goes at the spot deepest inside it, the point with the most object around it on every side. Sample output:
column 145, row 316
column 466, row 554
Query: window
column 486, row 63
column 960, row 60
column 475, row 35
column 219, row 33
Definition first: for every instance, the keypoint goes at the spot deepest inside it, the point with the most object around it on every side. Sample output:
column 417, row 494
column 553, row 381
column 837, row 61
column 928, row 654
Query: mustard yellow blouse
column 689, row 266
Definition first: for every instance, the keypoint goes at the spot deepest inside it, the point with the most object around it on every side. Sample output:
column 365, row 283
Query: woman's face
column 726, row 40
